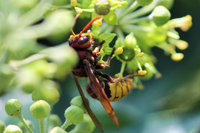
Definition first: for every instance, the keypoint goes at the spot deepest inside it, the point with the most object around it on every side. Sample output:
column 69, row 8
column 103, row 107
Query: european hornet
column 102, row 86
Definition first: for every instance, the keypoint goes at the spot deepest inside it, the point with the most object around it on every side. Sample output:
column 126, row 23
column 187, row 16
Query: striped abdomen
column 117, row 90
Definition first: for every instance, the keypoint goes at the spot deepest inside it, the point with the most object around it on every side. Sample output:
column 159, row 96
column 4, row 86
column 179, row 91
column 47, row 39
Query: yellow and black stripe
column 117, row 90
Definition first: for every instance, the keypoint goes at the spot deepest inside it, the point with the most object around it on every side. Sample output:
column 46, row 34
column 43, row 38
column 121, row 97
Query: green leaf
column 118, row 43
column 111, row 18
column 108, row 37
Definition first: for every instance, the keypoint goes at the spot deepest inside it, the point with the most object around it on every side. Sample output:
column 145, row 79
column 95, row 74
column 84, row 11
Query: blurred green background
column 170, row 104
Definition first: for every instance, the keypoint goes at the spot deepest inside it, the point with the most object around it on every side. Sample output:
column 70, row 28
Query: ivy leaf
column 108, row 37
column 111, row 18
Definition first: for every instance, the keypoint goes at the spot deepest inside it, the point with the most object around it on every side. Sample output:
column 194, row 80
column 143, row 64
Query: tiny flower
column 187, row 23
column 77, row 101
column 78, row 10
column 119, row 4
column 12, row 129
column 102, row 7
column 182, row 45
column 142, row 72
column 57, row 130
column 128, row 54
column 74, row 114
column 130, row 40
column 13, row 107
column 177, row 56
column 140, row 54
column 119, row 50
column 184, row 23
column 73, row 3
column 98, row 22
column 40, row 109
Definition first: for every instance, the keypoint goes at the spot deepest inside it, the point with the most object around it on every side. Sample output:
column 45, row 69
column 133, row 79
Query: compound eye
column 83, row 40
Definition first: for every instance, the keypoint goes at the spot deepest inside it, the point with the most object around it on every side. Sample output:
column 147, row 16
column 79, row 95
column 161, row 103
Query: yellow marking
column 112, row 90
column 120, row 89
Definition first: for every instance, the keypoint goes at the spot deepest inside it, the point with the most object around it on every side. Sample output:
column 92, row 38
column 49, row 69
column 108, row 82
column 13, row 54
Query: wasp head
column 81, row 42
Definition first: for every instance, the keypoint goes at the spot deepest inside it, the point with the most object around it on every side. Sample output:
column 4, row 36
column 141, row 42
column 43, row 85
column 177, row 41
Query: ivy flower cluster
column 139, row 25
column 75, row 114
column 136, row 25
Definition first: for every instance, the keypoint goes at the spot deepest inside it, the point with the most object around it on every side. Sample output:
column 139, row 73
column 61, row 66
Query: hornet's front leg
column 100, row 93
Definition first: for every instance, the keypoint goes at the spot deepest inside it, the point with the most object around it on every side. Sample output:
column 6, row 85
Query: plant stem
column 17, row 64
column 47, row 123
column 131, row 8
column 139, row 66
column 122, row 68
column 24, row 123
column 137, row 20
column 41, row 125
column 142, row 11
column 87, row 10
column 120, row 34
column 66, row 124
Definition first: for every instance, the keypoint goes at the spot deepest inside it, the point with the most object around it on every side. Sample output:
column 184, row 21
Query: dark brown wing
column 99, row 91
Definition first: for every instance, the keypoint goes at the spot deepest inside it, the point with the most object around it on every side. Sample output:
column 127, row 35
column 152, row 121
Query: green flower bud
column 144, row 2
column 87, row 126
column 130, row 48
column 74, row 114
column 28, row 79
column 6, row 76
column 77, row 101
column 40, row 109
column 102, row 7
column 161, row 15
column 128, row 54
column 13, row 107
column 130, row 41
column 23, row 5
column 48, row 91
column 60, row 21
column 12, row 129
column 43, row 68
column 150, row 71
column 57, row 130
column 166, row 3
column 54, row 120
column 2, row 126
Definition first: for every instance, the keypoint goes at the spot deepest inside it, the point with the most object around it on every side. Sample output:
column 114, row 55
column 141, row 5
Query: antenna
column 74, row 24
column 88, row 25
